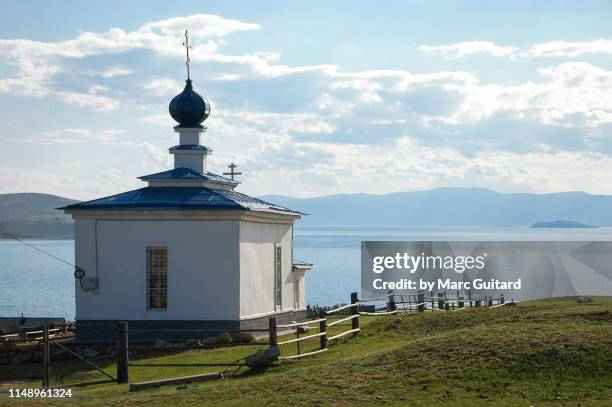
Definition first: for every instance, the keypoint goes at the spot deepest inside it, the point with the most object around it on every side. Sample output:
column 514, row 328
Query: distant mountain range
column 556, row 224
column 31, row 215
column 451, row 207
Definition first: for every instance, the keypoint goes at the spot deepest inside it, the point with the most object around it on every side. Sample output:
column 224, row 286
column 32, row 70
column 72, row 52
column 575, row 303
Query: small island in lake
column 561, row 224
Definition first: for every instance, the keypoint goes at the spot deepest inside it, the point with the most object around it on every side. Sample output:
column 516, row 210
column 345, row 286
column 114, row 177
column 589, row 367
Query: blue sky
column 311, row 98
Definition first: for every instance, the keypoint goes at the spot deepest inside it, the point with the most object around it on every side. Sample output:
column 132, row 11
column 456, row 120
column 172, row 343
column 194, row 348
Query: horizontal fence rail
column 382, row 297
column 338, row 321
column 37, row 333
column 347, row 306
column 296, row 324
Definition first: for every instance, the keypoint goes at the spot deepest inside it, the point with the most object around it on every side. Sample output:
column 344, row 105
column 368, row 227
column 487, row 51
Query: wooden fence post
column 355, row 311
column 447, row 306
column 46, row 358
column 440, row 301
column 502, row 300
column 323, row 328
column 432, row 300
column 470, row 297
column 461, row 304
column 421, row 300
column 272, row 334
column 391, row 303
column 477, row 303
column 122, row 352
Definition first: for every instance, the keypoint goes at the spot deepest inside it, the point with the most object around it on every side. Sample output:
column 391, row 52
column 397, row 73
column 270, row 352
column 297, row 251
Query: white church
column 187, row 251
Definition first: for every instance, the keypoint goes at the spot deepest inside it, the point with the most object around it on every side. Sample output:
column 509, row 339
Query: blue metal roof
column 180, row 198
column 187, row 174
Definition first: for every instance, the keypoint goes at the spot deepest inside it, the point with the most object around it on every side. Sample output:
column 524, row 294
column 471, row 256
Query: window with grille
column 157, row 278
column 278, row 276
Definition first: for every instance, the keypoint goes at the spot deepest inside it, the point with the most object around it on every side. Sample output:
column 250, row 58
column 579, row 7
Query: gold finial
column 187, row 46
column 232, row 173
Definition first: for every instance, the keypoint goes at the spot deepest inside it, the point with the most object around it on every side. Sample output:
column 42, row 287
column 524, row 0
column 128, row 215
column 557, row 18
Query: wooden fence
column 46, row 341
column 392, row 303
column 341, row 316
column 327, row 319
column 36, row 333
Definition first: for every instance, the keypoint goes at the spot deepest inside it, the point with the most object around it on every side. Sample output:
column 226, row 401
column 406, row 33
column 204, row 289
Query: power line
column 36, row 248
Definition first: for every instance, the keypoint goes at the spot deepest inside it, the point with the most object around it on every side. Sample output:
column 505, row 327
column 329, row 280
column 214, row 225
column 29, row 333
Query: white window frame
column 162, row 276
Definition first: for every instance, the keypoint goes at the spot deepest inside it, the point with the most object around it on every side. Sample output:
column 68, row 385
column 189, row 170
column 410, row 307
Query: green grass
column 539, row 353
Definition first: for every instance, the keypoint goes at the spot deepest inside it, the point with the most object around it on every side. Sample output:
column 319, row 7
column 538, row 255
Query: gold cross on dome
column 187, row 46
column 232, row 173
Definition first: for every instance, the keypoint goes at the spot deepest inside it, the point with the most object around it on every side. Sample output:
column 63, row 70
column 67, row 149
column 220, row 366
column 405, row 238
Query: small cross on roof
column 232, row 173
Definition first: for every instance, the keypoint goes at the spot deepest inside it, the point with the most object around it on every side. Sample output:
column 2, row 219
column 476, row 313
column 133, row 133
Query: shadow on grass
column 71, row 369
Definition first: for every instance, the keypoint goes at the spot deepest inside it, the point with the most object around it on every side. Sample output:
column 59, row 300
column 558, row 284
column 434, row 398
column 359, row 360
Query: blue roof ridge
column 185, row 173
column 97, row 199
column 182, row 198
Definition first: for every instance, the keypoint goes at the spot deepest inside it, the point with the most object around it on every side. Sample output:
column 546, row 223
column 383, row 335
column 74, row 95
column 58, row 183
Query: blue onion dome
column 189, row 108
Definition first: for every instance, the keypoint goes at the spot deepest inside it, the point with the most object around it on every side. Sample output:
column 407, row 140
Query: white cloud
column 163, row 87
column 97, row 89
column 163, row 120
column 200, row 25
column 559, row 48
column 114, row 71
column 156, row 155
column 112, row 173
column 463, row 49
column 570, row 49
column 227, row 77
column 73, row 136
column 39, row 62
column 318, row 129
column 572, row 94
column 160, row 36
column 13, row 180
column 373, row 107
column 409, row 165
column 93, row 101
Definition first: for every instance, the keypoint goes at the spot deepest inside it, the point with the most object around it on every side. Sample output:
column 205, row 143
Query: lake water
column 37, row 285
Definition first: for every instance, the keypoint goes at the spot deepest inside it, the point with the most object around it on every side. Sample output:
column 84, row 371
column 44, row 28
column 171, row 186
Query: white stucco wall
column 203, row 268
column 301, row 277
column 257, row 268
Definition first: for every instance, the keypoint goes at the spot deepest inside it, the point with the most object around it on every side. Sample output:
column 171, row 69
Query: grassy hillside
column 31, row 215
column 552, row 352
